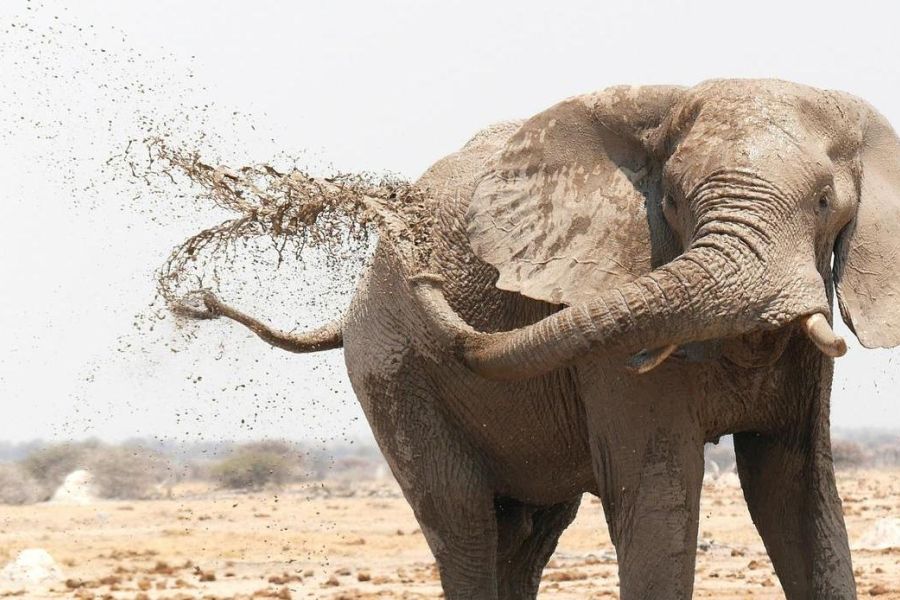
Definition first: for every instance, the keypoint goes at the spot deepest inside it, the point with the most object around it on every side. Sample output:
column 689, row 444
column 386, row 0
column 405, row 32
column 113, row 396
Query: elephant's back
column 469, row 282
column 466, row 166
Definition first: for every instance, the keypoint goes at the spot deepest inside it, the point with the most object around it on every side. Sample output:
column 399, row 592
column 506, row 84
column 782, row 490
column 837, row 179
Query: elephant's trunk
column 719, row 288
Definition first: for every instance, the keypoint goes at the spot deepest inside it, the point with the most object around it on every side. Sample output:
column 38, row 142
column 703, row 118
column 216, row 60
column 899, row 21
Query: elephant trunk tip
column 821, row 334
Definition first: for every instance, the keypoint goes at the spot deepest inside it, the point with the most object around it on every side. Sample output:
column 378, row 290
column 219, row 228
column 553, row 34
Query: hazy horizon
column 351, row 86
column 364, row 442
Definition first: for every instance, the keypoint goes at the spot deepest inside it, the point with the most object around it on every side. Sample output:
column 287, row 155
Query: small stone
column 207, row 576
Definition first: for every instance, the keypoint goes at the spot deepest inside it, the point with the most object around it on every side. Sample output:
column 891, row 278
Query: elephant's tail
column 326, row 337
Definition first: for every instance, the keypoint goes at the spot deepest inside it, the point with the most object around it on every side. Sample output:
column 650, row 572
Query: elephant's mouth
column 751, row 350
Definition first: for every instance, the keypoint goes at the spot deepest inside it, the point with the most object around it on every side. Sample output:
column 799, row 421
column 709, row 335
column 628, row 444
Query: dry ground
column 315, row 541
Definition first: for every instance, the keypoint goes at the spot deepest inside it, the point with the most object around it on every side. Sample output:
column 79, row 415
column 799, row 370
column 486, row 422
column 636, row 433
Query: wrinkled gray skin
column 633, row 218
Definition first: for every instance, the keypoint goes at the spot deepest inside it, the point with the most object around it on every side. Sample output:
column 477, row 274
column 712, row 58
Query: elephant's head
column 662, row 216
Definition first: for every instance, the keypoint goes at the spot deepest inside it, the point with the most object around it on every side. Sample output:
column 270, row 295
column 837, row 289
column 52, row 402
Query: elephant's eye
column 823, row 205
column 669, row 202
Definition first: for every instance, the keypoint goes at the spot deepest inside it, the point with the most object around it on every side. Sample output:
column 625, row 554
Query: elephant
column 611, row 284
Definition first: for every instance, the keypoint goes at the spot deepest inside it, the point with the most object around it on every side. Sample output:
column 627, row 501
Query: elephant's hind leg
column 442, row 477
column 527, row 537
column 463, row 539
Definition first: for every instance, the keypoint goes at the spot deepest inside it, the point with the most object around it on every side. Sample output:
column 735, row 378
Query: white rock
column 77, row 488
column 729, row 479
column 31, row 567
column 884, row 533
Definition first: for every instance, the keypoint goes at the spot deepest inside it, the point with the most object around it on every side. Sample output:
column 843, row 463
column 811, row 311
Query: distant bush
column 17, row 486
column 887, row 454
column 254, row 466
column 49, row 465
column 126, row 472
column 848, row 455
column 344, row 462
column 279, row 447
column 121, row 472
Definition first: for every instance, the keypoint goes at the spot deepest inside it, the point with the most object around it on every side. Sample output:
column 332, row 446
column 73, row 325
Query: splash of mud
column 341, row 214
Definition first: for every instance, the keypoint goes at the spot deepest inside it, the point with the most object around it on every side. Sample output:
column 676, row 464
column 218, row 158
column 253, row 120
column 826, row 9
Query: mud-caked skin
column 636, row 218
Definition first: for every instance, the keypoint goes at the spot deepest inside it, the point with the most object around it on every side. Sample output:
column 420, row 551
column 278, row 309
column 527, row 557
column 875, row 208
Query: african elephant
column 612, row 283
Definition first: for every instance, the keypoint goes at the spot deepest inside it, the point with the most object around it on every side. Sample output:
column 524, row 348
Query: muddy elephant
column 611, row 284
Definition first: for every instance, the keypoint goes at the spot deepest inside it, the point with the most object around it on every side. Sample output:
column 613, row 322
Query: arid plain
column 337, row 540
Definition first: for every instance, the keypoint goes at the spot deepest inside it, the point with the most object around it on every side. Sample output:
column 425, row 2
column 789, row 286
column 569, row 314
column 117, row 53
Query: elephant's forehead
column 748, row 130
column 778, row 108
column 735, row 118
column 735, row 110
column 739, row 89
column 745, row 129
column 750, row 141
column 763, row 125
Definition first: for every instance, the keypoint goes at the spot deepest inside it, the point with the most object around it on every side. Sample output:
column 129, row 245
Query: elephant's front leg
column 651, row 496
column 648, row 458
column 788, row 482
column 790, row 490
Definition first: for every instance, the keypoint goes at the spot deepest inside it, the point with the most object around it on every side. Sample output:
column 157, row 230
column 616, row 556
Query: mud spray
column 119, row 143
column 342, row 215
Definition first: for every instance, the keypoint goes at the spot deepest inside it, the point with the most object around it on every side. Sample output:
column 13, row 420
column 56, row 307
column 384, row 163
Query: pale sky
column 358, row 85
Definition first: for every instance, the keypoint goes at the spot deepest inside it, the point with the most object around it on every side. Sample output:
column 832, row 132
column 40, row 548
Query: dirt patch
column 206, row 543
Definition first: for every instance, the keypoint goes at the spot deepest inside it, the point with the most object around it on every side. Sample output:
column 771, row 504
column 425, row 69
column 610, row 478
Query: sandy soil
column 336, row 542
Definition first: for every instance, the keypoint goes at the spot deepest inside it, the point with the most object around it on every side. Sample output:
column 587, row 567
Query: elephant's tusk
column 819, row 331
column 647, row 360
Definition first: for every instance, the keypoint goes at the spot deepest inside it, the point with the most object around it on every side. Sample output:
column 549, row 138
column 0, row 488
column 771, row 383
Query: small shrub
column 125, row 472
column 49, row 465
column 17, row 486
column 847, row 454
column 279, row 447
column 253, row 469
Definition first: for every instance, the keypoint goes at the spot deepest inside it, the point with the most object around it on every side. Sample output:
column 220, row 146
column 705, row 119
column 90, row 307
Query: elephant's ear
column 567, row 208
column 867, row 256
